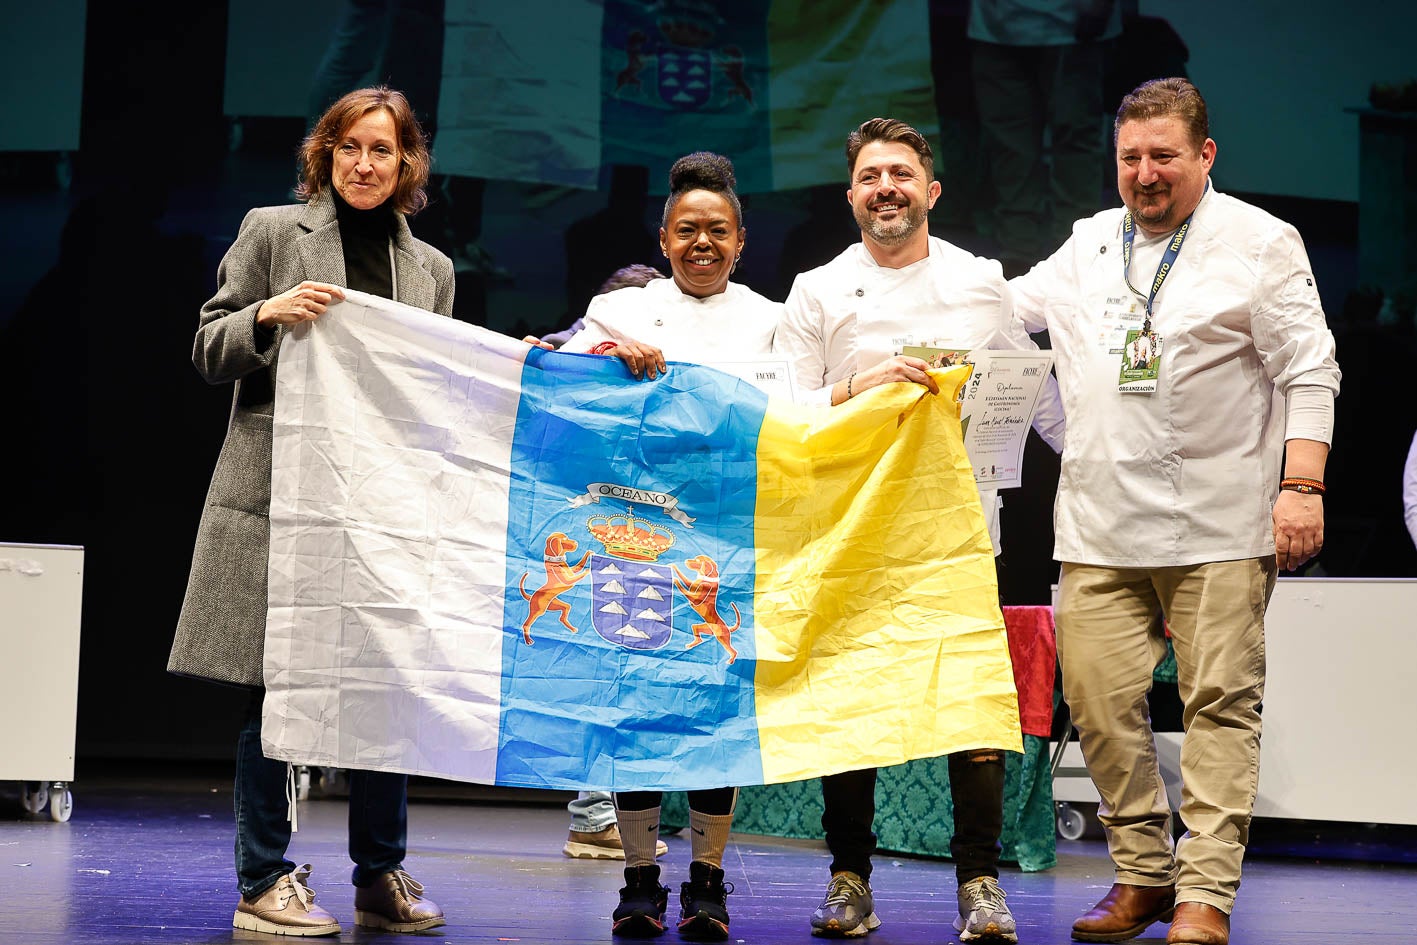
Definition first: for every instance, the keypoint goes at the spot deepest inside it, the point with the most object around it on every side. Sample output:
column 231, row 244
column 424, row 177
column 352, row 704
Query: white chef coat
column 1189, row 473
column 737, row 324
column 853, row 313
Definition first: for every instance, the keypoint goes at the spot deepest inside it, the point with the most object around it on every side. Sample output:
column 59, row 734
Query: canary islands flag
column 555, row 91
column 500, row 564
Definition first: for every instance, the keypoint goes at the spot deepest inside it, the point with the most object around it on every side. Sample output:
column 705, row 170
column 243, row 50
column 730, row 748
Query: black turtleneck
column 365, row 236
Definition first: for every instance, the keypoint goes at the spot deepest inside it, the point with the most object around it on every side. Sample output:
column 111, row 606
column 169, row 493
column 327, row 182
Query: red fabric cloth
column 1034, row 651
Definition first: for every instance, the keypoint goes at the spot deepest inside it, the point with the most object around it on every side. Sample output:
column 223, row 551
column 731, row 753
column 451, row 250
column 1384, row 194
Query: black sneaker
column 703, row 904
column 642, row 904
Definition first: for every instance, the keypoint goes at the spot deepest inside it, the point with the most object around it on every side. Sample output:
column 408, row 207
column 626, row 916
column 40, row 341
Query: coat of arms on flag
column 632, row 593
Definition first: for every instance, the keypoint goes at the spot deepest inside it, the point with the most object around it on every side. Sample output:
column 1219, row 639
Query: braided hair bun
column 702, row 170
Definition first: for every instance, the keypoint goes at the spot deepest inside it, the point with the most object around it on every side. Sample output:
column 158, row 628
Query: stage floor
column 147, row 860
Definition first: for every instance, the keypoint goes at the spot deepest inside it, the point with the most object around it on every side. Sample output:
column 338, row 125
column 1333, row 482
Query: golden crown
column 628, row 537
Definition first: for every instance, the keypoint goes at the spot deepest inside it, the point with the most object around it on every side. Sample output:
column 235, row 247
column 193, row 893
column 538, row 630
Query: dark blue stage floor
column 147, row 859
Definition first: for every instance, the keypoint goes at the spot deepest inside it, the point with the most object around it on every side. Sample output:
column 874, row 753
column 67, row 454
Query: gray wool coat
column 222, row 628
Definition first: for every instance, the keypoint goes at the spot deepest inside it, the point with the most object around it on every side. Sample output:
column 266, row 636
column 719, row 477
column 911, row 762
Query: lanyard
column 1168, row 259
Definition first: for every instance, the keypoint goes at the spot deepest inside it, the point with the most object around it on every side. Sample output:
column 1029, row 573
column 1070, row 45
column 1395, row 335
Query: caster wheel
column 1071, row 822
column 33, row 796
column 61, row 804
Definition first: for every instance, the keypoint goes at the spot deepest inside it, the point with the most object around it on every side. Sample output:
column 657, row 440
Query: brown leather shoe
column 1125, row 912
column 1199, row 924
column 395, row 902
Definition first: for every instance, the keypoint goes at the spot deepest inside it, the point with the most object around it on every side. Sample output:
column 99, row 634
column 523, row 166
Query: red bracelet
column 605, row 347
column 1303, row 485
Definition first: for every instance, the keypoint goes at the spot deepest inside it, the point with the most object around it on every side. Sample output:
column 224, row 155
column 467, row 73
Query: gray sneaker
column 983, row 914
column 287, row 908
column 848, row 909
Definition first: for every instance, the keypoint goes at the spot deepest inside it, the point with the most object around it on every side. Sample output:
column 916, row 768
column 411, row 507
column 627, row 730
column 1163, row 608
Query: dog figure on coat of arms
column 629, row 77
column 702, row 592
column 560, row 577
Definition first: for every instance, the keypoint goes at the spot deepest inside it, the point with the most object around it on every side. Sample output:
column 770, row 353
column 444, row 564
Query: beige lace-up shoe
column 287, row 908
column 602, row 845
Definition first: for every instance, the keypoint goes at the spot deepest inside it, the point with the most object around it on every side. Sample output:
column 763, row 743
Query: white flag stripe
column 383, row 474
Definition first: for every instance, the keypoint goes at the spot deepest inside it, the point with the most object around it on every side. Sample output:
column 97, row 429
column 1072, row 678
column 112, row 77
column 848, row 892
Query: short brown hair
column 317, row 151
column 1165, row 98
column 888, row 129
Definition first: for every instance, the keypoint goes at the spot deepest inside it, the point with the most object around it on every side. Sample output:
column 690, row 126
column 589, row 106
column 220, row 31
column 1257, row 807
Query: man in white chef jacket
column 843, row 329
column 1184, row 484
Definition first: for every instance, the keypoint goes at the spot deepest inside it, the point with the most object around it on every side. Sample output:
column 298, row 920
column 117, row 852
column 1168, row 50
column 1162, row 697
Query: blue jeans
column 378, row 816
column 591, row 811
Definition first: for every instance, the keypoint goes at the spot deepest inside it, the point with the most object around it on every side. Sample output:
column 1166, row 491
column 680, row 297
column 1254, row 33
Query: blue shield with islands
column 632, row 602
column 675, row 71
column 685, row 76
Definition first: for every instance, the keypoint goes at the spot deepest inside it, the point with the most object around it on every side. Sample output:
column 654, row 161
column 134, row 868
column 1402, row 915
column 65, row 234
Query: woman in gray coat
column 363, row 172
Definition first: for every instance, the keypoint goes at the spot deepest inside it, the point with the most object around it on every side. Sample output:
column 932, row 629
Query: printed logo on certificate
column 1141, row 362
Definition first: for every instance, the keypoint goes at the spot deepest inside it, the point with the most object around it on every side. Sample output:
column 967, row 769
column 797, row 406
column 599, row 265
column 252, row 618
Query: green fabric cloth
column 1166, row 670
column 914, row 810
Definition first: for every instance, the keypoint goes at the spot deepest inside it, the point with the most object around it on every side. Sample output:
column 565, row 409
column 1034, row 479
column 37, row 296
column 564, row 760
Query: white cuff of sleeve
column 1308, row 413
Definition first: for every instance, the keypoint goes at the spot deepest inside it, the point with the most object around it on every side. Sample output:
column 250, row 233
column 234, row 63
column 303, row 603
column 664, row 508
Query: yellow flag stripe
column 879, row 637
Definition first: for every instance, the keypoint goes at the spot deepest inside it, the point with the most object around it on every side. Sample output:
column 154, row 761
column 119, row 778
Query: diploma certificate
column 997, row 404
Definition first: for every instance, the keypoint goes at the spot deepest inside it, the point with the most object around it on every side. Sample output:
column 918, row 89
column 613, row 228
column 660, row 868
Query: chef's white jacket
column 737, row 324
column 1188, row 473
column 853, row 313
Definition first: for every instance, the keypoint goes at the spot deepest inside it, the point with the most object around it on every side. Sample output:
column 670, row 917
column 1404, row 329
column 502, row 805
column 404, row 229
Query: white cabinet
column 41, row 592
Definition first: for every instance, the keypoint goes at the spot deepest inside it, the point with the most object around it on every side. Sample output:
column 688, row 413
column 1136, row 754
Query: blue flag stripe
column 625, row 495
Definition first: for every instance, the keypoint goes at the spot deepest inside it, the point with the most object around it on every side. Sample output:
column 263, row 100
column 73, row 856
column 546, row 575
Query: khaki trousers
column 1108, row 644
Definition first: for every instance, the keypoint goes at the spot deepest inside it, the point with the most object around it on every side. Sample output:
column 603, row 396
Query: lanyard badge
column 1141, row 351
